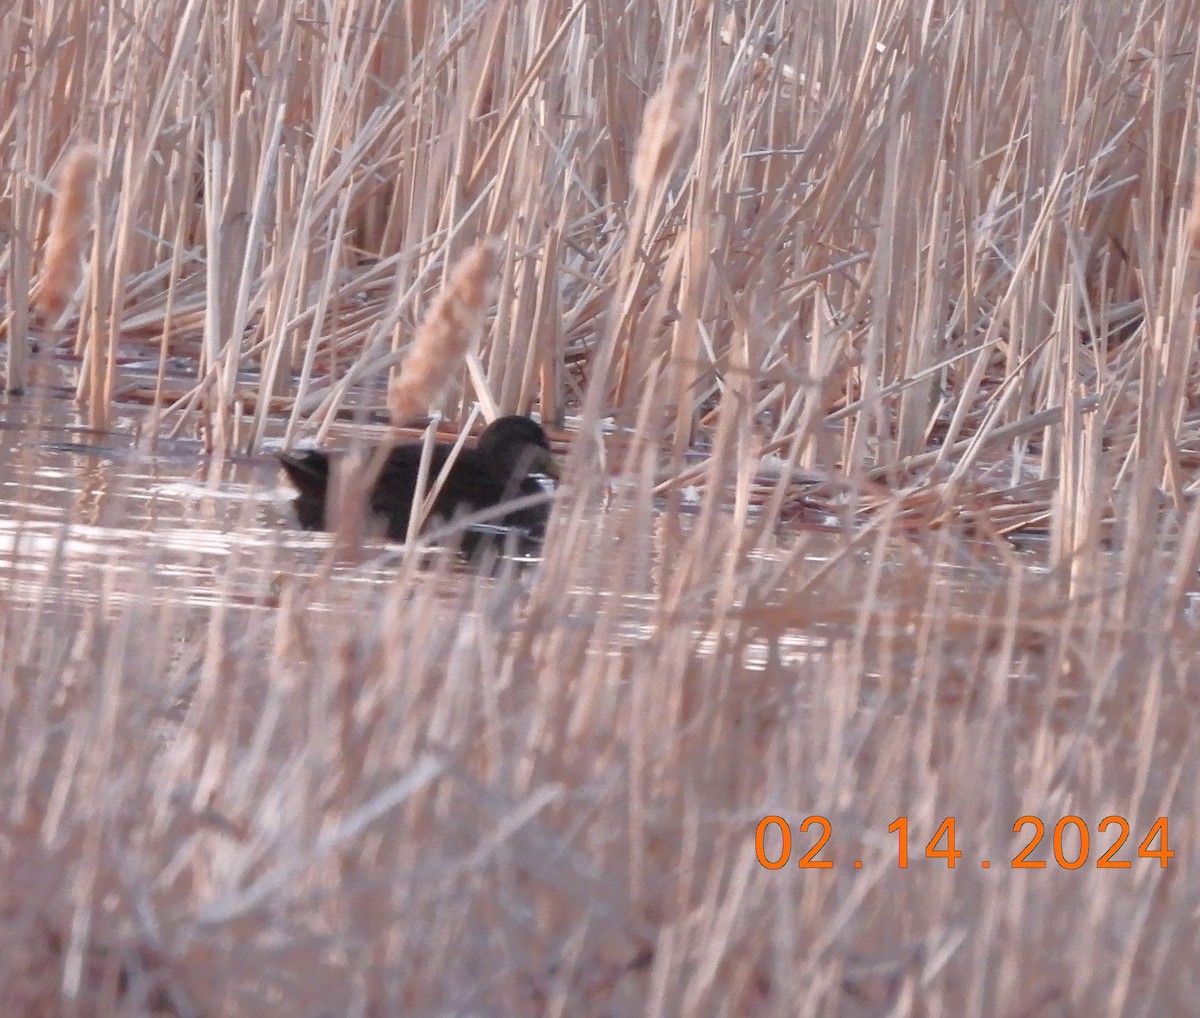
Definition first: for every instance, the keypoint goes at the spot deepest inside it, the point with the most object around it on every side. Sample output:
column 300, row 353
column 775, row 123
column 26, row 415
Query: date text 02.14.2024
column 1071, row 843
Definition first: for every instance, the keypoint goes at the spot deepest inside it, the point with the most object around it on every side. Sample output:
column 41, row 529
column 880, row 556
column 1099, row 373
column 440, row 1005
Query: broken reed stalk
column 452, row 325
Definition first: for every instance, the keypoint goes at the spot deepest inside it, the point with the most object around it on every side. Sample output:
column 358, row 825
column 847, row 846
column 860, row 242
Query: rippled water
column 76, row 505
column 85, row 515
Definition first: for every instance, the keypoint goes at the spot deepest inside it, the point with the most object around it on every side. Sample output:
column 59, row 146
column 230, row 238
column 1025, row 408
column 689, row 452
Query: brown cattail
column 69, row 222
column 669, row 114
column 449, row 328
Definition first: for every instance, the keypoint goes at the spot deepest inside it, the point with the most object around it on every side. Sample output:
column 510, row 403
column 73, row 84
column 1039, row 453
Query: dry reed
column 873, row 325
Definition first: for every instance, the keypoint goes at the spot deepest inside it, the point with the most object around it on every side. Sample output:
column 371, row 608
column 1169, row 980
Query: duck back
column 495, row 472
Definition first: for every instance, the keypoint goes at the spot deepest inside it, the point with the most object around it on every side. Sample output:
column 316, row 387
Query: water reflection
column 75, row 505
column 86, row 515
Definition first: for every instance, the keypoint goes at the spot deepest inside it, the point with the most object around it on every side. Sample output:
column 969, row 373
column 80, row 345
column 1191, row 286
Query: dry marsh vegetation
column 867, row 290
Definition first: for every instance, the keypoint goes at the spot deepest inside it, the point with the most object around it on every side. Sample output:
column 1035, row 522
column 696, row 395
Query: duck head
column 518, row 446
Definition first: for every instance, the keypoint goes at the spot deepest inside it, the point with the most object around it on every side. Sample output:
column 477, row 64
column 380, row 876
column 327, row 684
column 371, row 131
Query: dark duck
column 502, row 467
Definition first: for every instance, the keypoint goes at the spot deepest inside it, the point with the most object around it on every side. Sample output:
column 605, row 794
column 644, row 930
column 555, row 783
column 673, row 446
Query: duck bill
column 547, row 464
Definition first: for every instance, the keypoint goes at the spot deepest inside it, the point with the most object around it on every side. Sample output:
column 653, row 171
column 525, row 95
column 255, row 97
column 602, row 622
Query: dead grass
column 866, row 291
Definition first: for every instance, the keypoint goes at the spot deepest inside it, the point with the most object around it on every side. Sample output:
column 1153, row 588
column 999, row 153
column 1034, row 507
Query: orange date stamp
column 1070, row 841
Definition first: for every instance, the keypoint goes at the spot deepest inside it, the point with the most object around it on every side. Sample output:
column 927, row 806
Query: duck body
column 501, row 468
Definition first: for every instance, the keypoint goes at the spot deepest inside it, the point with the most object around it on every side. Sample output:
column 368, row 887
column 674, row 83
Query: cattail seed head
column 668, row 116
column 452, row 324
column 69, row 223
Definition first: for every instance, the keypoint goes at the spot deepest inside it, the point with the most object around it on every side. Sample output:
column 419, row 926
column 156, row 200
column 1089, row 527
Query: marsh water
column 86, row 514
column 76, row 505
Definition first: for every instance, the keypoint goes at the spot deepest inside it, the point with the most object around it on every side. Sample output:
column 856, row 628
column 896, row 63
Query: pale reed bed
column 874, row 326
column 283, row 807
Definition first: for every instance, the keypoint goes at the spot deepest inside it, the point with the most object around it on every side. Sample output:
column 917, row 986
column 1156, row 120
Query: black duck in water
column 499, row 469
